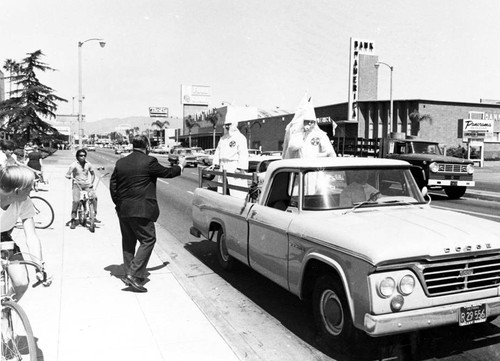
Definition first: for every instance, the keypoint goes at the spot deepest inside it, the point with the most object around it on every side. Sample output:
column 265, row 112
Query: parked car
column 118, row 149
column 254, row 152
column 207, row 158
column 191, row 160
column 273, row 153
column 90, row 147
column 259, row 165
column 160, row 149
column 358, row 239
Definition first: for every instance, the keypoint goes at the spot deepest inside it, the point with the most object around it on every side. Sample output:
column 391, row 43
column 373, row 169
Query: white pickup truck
column 358, row 239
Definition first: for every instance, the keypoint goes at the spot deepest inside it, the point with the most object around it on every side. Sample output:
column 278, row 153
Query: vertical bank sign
column 358, row 48
column 195, row 94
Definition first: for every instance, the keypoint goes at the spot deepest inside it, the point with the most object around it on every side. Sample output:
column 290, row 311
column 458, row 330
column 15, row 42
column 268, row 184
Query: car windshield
column 337, row 189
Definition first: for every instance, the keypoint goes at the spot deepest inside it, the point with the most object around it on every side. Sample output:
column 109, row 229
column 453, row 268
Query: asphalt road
column 272, row 324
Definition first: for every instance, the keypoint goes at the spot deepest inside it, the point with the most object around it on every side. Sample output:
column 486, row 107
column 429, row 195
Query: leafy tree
column 190, row 124
column 30, row 101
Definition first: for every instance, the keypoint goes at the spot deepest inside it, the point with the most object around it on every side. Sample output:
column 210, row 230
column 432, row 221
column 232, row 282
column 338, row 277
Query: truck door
column 268, row 230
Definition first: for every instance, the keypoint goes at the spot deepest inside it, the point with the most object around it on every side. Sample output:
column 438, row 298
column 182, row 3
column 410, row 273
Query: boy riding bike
column 83, row 175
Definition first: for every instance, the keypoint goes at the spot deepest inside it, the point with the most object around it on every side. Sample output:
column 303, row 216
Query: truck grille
column 452, row 168
column 462, row 276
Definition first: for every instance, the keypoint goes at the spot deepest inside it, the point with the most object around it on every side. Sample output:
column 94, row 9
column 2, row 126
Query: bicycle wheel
column 44, row 214
column 82, row 213
column 18, row 342
column 91, row 217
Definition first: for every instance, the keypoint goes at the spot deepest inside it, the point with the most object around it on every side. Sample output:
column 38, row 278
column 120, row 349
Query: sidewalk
column 88, row 313
column 487, row 180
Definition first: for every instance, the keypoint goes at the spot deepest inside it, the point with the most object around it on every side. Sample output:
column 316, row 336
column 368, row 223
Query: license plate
column 472, row 314
column 454, row 183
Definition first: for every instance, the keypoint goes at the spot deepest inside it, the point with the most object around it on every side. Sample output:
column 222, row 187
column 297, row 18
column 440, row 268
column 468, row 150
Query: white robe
column 231, row 154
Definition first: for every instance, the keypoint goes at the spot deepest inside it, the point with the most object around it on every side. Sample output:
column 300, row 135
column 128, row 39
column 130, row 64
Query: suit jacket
column 133, row 185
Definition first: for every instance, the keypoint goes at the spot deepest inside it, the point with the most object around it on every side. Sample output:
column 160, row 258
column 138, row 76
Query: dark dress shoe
column 133, row 283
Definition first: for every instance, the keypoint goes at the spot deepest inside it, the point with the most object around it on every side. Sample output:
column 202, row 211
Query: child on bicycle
column 16, row 183
column 83, row 175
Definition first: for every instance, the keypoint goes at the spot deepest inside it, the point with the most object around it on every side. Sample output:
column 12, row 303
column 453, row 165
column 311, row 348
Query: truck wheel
column 225, row 260
column 455, row 192
column 331, row 312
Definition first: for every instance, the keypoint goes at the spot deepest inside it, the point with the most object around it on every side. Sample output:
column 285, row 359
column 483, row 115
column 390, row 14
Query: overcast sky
column 262, row 53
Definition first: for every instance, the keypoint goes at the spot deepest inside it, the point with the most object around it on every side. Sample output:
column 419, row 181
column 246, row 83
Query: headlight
column 406, row 285
column 470, row 168
column 433, row 167
column 386, row 287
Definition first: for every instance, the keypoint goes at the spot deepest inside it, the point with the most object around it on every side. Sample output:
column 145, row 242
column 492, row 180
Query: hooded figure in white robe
column 303, row 137
column 231, row 155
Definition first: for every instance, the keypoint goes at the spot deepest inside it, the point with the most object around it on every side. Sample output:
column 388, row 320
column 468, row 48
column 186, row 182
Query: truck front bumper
column 407, row 321
column 452, row 183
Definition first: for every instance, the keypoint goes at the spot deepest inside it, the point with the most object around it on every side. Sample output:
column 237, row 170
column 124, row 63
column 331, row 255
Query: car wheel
column 455, row 192
column 225, row 260
column 331, row 311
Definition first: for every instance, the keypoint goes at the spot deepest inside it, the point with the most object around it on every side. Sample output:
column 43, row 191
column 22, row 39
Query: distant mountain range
column 110, row 124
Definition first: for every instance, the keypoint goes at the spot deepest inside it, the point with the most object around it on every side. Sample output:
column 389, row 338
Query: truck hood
column 382, row 235
column 433, row 158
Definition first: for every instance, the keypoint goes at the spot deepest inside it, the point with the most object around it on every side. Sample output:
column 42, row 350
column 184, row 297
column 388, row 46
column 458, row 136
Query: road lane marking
column 164, row 181
column 190, row 192
column 468, row 212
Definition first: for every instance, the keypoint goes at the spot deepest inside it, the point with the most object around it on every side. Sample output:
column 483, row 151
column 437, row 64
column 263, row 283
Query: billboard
column 158, row 112
column 195, row 94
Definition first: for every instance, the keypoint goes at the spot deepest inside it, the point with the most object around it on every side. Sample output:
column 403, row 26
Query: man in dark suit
column 133, row 191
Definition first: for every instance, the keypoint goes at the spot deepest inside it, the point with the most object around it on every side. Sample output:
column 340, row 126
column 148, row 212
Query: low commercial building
column 451, row 124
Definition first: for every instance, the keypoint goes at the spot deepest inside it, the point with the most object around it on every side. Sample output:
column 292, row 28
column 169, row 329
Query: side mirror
column 425, row 194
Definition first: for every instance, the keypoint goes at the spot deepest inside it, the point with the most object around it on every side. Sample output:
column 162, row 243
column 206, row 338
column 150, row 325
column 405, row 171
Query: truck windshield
column 426, row 148
column 336, row 189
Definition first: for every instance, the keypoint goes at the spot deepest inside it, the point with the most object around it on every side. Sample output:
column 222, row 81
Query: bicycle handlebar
column 41, row 274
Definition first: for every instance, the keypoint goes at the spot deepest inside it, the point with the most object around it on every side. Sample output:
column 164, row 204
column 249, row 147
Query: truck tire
column 225, row 260
column 455, row 192
column 331, row 311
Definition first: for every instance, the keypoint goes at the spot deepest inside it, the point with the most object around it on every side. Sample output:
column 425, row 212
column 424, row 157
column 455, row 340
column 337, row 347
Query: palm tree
column 213, row 118
column 416, row 118
column 13, row 68
column 161, row 125
column 190, row 124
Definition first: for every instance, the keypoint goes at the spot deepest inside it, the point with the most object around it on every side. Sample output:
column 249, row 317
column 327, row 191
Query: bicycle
column 86, row 208
column 18, row 342
column 44, row 213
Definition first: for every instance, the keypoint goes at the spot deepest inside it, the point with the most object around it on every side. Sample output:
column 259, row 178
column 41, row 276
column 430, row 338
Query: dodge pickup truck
column 436, row 171
column 358, row 239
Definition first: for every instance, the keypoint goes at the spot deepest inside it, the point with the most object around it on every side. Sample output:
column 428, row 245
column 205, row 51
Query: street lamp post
column 102, row 43
column 389, row 124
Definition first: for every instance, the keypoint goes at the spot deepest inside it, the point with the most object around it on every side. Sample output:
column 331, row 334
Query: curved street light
column 389, row 123
column 102, row 43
